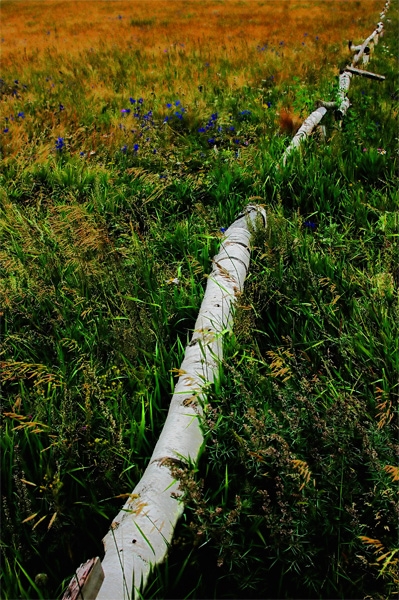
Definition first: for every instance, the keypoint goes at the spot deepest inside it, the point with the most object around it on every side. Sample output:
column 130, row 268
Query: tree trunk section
column 141, row 533
column 305, row 130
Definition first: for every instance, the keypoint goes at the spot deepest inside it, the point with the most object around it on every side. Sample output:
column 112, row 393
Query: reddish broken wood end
column 86, row 582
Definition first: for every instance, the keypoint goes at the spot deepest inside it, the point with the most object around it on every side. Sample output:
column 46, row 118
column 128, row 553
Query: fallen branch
column 326, row 105
column 353, row 48
column 140, row 534
column 368, row 74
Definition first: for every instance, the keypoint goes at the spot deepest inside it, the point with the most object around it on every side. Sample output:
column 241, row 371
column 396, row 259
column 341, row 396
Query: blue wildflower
column 135, row 147
column 309, row 224
column 132, row 101
column 169, row 105
column 60, row 144
column 222, row 229
column 82, row 154
column 201, row 130
column 236, row 141
column 211, row 141
column 177, row 102
column 21, row 114
column 219, row 129
column 141, row 100
column 5, row 130
column 125, row 110
column 214, row 116
column 61, row 107
column 231, row 128
column 124, row 148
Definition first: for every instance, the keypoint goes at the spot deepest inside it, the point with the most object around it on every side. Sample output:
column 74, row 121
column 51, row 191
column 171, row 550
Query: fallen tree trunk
column 140, row 534
column 305, row 130
column 365, row 44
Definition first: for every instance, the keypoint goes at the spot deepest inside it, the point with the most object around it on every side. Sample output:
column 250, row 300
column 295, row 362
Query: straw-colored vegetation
column 132, row 134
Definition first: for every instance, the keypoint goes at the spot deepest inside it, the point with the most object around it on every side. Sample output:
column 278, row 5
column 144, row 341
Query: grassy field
column 132, row 134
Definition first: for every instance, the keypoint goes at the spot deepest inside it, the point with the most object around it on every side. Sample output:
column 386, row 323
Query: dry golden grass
column 217, row 29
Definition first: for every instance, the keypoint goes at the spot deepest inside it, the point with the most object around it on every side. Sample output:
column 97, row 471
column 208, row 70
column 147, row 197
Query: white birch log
column 305, row 130
column 141, row 533
column 366, row 43
column 344, row 81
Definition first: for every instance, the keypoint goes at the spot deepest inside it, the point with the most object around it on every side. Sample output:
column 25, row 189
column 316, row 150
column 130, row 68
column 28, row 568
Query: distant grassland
column 92, row 56
column 132, row 135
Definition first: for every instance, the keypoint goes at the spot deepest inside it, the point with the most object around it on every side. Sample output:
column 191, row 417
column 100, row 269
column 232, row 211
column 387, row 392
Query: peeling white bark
column 305, row 130
column 344, row 81
column 142, row 531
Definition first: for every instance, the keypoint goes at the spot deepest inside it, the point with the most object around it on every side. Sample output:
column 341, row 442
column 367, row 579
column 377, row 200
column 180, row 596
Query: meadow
column 133, row 133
